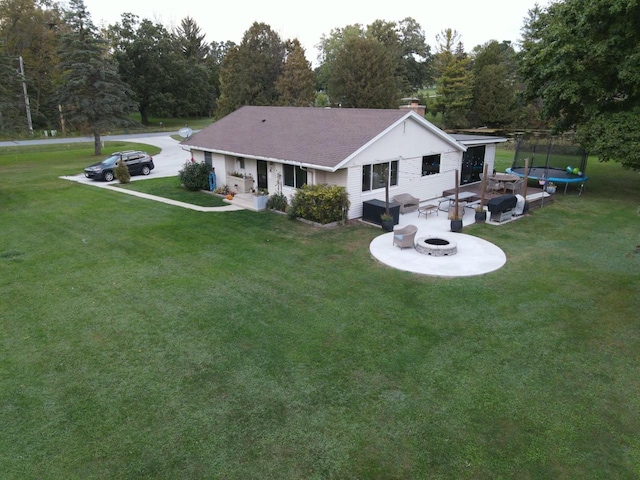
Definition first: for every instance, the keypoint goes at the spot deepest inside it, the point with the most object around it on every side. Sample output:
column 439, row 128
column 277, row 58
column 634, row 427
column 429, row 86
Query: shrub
column 121, row 172
column 319, row 203
column 223, row 190
column 278, row 201
column 195, row 176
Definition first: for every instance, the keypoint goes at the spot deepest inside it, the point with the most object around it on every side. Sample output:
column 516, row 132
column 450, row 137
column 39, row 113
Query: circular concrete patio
column 474, row 256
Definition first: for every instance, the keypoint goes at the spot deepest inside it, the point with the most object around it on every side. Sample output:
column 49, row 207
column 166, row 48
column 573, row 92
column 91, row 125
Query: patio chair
column 494, row 185
column 404, row 237
column 514, row 186
column 408, row 203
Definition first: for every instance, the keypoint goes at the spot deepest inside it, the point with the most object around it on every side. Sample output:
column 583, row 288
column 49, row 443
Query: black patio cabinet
column 372, row 209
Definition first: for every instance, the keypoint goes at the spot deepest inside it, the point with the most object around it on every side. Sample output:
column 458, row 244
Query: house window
column 430, row 164
column 208, row 160
column 241, row 163
column 373, row 175
column 294, row 176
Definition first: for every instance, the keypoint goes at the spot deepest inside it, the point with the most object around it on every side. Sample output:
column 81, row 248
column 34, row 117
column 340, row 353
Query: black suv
column 138, row 163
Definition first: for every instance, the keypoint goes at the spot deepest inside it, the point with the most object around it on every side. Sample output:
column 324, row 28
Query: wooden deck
column 476, row 188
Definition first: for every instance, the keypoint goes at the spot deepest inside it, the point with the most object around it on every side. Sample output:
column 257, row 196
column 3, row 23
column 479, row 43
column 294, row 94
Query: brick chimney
column 413, row 104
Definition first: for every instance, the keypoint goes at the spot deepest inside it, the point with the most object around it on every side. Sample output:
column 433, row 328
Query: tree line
column 577, row 70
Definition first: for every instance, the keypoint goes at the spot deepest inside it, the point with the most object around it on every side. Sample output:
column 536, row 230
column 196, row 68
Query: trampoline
column 557, row 163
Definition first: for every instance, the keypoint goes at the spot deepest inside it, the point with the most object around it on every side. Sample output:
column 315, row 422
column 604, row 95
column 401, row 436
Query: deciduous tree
column 403, row 41
column 145, row 54
column 583, row 60
column 30, row 29
column 11, row 102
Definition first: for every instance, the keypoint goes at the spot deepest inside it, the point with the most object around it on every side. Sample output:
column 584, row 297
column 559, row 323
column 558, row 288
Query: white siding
column 407, row 143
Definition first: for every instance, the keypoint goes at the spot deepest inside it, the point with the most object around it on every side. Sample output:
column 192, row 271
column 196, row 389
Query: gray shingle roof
column 321, row 137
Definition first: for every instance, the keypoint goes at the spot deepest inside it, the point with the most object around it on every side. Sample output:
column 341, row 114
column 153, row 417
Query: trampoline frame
column 547, row 173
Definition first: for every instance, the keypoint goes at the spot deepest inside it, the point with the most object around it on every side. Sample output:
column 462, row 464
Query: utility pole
column 26, row 96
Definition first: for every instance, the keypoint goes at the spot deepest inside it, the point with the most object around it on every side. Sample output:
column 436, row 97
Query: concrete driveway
column 167, row 163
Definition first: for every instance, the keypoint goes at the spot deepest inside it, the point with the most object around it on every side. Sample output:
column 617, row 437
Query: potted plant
column 456, row 223
column 260, row 199
column 243, row 183
column 481, row 214
column 386, row 220
column 551, row 188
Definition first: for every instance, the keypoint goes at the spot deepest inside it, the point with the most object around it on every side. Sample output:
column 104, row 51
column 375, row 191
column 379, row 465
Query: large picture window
column 430, row 164
column 294, row 176
column 373, row 175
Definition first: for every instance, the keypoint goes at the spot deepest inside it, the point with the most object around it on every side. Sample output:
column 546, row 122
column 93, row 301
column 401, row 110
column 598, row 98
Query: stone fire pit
column 436, row 246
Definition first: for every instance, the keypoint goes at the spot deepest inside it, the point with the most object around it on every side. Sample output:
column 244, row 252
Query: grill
column 501, row 208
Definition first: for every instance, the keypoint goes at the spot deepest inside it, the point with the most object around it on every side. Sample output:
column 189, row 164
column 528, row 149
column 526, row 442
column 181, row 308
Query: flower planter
column 239, row 185
column 481, row 216
column 260, row 202
column 387, row 225
column 456, row 225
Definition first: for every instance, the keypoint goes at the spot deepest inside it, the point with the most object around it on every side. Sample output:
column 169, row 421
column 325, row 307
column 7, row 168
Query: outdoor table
column 504, row 178
column 427, row 209
column 452, row 198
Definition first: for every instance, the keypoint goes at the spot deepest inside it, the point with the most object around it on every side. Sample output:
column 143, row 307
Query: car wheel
column 146, row 170
column 108, row 176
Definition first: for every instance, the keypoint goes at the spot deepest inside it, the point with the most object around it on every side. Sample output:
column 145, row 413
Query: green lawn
column 169, row 187
column 142, row 340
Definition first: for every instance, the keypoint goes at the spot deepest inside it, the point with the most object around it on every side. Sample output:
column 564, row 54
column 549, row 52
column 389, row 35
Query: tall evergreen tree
column 92, row 95
column 495, row 85
column 296, row 84
column 363, row 75
column 454, row 80
column 192, row 40
column 249, row 71
column 328, row 48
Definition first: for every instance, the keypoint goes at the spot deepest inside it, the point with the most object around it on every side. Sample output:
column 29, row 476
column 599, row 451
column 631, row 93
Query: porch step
column 243, row 200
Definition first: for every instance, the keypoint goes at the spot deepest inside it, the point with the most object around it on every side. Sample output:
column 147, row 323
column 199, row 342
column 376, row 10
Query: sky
column 476, row 21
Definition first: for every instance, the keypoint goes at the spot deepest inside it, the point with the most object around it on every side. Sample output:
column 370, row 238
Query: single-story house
column 282, row 148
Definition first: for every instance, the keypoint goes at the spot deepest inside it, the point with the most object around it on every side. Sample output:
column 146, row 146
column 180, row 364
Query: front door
column 472, row 164
column 262, row 174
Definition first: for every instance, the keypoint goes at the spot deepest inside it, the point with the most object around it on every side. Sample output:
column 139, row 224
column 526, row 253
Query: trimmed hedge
column 320, row 203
